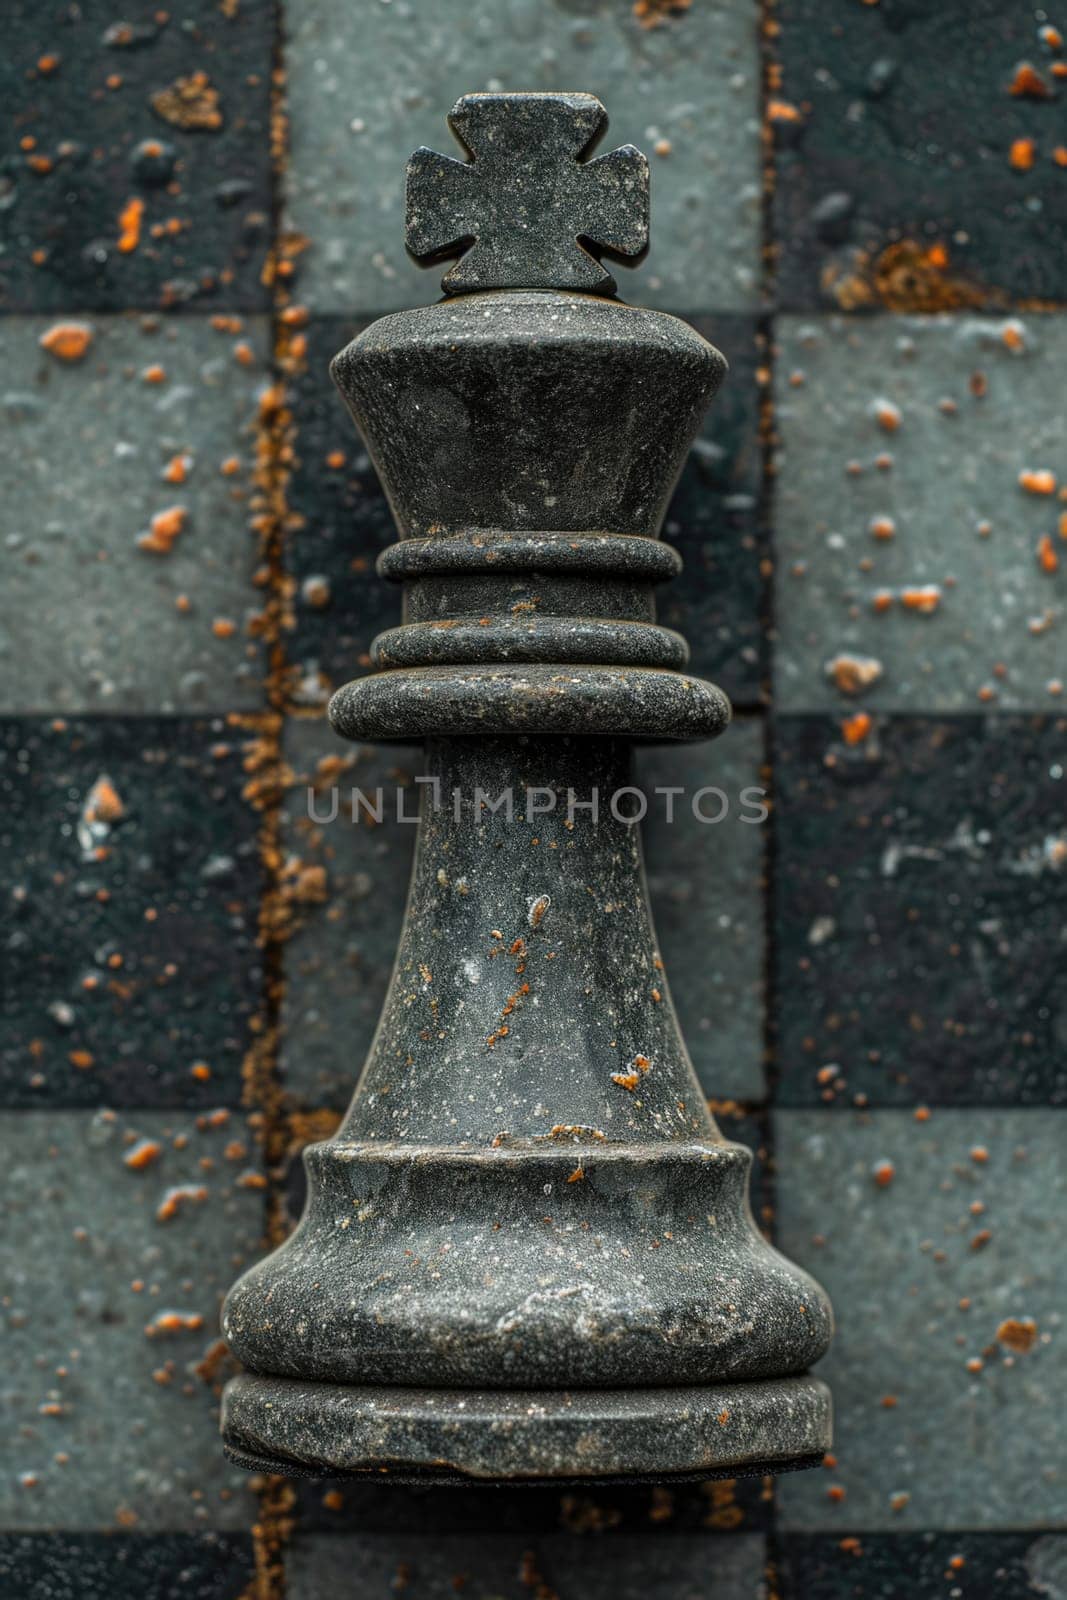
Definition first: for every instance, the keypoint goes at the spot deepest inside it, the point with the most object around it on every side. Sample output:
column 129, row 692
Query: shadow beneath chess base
column 543, row 1437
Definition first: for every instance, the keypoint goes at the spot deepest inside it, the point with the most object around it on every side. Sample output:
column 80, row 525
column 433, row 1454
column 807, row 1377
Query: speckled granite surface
column 197, row 210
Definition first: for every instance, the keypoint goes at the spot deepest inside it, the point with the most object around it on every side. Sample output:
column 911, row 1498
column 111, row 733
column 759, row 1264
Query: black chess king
column 528, row 1252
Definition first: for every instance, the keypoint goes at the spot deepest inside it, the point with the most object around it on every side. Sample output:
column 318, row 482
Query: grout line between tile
column 265, row 766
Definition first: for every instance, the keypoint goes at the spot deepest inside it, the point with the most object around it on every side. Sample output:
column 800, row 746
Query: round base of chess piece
column 563, row 1437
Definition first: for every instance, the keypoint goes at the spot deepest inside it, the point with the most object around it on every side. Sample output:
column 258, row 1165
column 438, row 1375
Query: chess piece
column 528, row 1252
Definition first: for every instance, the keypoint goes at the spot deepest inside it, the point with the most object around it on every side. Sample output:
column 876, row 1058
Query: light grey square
column 368, row 82
column 135, row 1421
column 92, row 620
column 946, row 526
column 922, row 1281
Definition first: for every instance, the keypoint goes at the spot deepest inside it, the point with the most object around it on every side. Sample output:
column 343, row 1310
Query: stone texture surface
column 962, row 1566
column 941, row 1270
column 920, row 910
column 705, row 881
column 338, row 961
column 861, row 545
column 900, row 124
column 132, row 1566
column 131, row 887
column 92, row 450
column 343, row 522
column 90, row 1441
column 488, row 1568
column 689, row 87
column 92, row 139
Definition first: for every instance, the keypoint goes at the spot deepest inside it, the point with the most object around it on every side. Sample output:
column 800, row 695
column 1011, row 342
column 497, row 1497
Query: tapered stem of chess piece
column 528, row 1253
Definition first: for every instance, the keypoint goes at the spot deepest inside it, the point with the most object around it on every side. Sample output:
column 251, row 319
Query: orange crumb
column 176, row 469
column 1059, row 155
column 883, row 1173
column 856, row 728
column 1028, row 81
column 154, row 374
column 224, row 627
column 67, row 341
column 82, row 1059
column 782, row 111
column 144, row 1152
column 1021, row 154
column 104, row 803
column 538, row 909
column 882, row 527
column 244, row 354
column 200, row 1071
column 1017, row 1333
column 922, row 1113
column 174, row 1322
column 335, row 460
column 163, row 529
column 626, row 1080
column 1047, row 559
column 836, row 1493
column 174, row 1199
column 230, row 467
column 1037, row 480
column 47, row 65
column 925, row 600
column 130, row 218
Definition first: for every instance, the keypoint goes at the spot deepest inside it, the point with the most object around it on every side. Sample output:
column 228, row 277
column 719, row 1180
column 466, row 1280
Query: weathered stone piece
column 528, row 1252
column 525, row 202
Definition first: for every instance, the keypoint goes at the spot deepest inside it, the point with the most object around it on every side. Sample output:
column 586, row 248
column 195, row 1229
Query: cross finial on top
column 525, row 212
